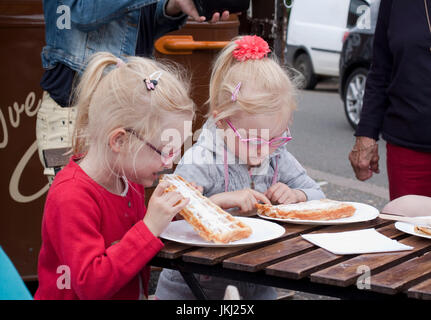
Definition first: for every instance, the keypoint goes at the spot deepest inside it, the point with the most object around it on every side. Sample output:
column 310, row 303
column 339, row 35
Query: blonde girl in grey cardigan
column 241, row 157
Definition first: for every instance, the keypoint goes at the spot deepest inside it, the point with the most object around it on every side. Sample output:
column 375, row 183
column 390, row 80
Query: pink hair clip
column 120, row 62
column 151, row 83
column 235, row 92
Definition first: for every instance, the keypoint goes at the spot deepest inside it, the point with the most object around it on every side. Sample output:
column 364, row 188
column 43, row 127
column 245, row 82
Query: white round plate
column 410, row 229
column 181, row 231
column 364, row 212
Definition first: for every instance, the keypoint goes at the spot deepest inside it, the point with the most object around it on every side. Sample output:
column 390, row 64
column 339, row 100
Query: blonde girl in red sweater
column 97, row 234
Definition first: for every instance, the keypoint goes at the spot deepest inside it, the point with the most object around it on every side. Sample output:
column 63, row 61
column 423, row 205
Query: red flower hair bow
column 250, row 47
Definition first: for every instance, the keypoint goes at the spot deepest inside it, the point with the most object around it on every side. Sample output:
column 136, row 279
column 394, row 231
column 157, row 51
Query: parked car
column 355, row 61
column 315, row 34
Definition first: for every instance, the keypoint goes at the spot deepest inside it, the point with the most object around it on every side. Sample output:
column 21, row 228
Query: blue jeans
column 171, row 286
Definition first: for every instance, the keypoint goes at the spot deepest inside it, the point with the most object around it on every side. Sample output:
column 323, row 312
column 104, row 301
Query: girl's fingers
column 160, row 188
column 270, row 192
column 169, row 194
column 251, row 203
column 283, row 199
column 280, row 191
column 289, row 200
column 245, row 207
column 173, row 198
column 245, row 204
column 181, row 205
column 260, row 197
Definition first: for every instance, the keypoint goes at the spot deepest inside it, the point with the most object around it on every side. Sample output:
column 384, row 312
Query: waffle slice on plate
column 210, row 221
column 324, row 209
column 423, row 230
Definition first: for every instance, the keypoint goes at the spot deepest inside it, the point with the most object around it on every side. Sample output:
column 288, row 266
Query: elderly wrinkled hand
column 364, row 158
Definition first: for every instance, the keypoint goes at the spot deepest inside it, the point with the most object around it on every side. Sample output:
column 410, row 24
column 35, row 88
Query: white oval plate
column 181, row 231
column 364, row 212
column 410, row 229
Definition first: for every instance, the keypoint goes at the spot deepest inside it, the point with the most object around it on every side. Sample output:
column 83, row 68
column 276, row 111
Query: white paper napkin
column 355, row 242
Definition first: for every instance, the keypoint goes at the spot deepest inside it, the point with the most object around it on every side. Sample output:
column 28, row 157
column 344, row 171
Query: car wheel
column 303, row 64
column 353, row 95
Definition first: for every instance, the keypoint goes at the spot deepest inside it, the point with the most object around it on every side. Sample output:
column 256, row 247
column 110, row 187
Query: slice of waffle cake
column 210, row 221
column 311, row 210
column 423, row 230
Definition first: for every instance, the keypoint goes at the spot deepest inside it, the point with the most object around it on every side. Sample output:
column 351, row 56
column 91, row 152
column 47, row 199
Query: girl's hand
column 245, row 199
column 282, row 194
column 162, row 208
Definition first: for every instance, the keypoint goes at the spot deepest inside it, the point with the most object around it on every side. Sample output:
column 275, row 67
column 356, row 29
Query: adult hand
column 282, row 194
column 175, row 7
column 364, row 158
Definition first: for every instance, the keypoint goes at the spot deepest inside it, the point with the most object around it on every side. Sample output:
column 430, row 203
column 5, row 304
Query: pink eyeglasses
column 273, row 143
column 163, row 156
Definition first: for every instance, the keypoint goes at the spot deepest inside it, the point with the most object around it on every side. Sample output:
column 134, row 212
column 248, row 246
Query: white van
column 315, row 36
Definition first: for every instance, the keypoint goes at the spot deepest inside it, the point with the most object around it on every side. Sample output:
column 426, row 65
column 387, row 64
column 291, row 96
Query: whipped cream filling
column 309, row 205
column 202, row 208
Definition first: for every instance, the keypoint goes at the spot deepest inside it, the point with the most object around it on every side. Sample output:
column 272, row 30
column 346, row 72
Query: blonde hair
column 265, row 85
column 112, row 94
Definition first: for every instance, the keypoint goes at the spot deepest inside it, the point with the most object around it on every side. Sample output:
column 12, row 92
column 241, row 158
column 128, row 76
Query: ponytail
column 89, row 81
column 113, row 94
column 220, row 69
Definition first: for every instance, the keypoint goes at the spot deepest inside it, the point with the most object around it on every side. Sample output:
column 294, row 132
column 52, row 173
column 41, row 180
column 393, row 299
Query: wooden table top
column 406, row 273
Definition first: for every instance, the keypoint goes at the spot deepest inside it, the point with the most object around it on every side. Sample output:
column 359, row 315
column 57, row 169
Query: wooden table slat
column 173, row 250
column 313, row 261
column 421, row 290
column 376, row 223
column 403, row 276
column 301, row 266
column 212, row 256
column 256, row 260
column 347, row 272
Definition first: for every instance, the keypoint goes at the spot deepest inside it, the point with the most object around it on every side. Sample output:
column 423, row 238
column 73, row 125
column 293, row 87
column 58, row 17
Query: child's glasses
column 273, row 143
column 165, row 157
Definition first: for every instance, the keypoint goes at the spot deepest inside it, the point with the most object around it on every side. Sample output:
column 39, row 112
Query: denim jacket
column 97, row 25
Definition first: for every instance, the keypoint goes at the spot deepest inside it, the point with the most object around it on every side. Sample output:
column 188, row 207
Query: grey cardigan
column 203, row 164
